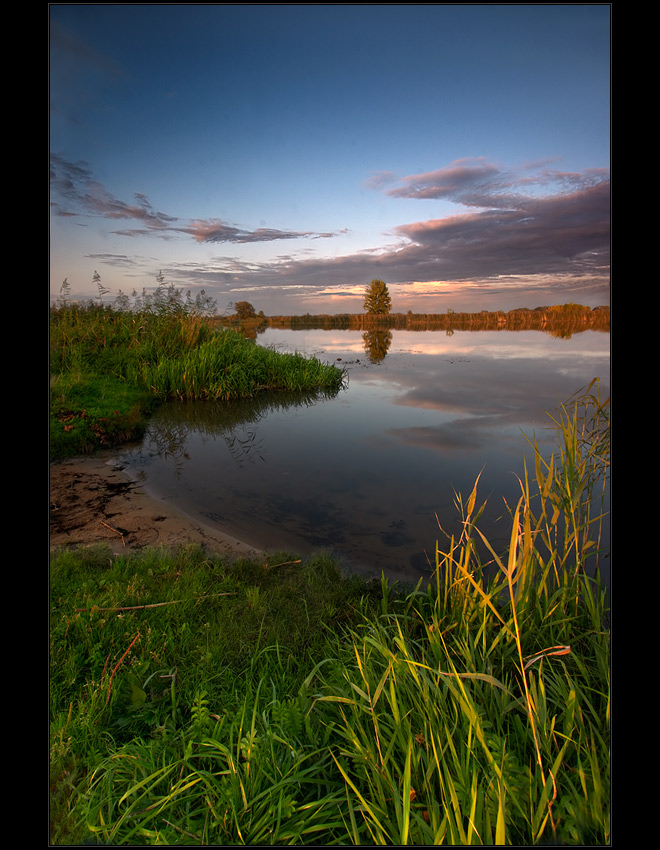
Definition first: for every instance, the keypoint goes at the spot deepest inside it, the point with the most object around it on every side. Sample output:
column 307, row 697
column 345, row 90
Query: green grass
column 196, row 702
column 146, row 649
column 108, row 368
column 229, row 367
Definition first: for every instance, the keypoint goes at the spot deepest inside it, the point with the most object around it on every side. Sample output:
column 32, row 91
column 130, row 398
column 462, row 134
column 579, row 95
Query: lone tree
column 244, row 310
column 377, row 298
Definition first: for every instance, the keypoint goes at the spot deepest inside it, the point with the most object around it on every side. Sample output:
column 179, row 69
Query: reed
column 282, row 703
column 228, row 367
column 110, row 367
column 477, row 711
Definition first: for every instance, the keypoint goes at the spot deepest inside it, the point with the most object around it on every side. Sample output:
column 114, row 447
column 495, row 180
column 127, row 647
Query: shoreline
column 94, row 501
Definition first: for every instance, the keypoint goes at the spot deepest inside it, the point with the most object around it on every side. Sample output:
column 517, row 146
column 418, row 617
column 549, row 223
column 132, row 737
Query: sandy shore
column 93, row 501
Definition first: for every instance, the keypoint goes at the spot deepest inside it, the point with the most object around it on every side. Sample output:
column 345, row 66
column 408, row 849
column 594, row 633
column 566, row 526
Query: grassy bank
column 196, row 702
column 108, row 368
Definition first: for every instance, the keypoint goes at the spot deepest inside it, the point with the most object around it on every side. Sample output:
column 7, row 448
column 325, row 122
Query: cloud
column 380, row 180
column 533, row 222
column 73, row 183
column 218, row 231
column 531, row 228
column 76, row 70
column 74, row 191
column 547, row 235
column 478, row 183
column 454, row 181
column 564, row 234
column 118, row 261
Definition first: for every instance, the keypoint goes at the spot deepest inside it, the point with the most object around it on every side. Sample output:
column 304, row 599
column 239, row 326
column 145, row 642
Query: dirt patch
column 92, row 500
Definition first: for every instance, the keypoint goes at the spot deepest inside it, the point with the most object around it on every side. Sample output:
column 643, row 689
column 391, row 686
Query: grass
column 197, row 702
column 109, row 368
column 229, row 367
column 148, row 648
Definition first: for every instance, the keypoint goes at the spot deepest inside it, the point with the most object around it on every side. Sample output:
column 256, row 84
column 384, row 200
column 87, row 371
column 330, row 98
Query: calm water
column 371, row 473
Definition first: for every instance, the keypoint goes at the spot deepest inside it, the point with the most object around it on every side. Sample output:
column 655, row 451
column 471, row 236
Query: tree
column 244, row 310
column 377, row 298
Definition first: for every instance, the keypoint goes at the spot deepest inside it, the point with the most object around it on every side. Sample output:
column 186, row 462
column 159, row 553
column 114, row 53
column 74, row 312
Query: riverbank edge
column 93, row 501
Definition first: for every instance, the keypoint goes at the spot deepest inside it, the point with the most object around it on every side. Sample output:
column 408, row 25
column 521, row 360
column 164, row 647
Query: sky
column 286, row 155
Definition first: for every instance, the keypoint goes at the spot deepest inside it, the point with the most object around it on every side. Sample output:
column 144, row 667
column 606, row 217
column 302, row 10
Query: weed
column 280, row 703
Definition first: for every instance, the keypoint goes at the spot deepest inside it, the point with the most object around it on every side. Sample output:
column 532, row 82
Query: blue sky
column 288, row 154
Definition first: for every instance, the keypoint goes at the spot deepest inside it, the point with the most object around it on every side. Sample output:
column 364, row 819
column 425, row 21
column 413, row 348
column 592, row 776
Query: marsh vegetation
column 110, row 367
column 280, row 703
column 195, row 701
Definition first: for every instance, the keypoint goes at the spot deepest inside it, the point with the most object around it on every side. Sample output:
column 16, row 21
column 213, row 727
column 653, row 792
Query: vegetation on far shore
column 563, row 320
column 197, row 701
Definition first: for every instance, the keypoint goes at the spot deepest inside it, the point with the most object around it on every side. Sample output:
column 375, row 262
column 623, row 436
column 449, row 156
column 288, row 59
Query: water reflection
column 369, row 472
column 235, row 423
column 377, row 344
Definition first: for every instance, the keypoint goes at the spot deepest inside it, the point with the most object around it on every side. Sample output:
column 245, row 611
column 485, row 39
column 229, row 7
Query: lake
column 371, row 474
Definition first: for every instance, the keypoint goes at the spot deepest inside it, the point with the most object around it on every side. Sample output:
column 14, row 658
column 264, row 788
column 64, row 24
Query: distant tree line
column 559, row 320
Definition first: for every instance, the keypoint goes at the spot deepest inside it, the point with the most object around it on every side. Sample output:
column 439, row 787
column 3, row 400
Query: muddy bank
column 92, row 501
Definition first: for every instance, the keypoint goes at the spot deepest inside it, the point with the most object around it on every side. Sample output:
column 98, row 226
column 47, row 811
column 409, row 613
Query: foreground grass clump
column 108, row 368
column 146, row 648
column 195, row 702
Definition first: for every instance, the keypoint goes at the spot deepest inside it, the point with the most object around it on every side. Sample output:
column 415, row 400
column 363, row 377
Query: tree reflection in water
column 377, row 343
column 234, row 422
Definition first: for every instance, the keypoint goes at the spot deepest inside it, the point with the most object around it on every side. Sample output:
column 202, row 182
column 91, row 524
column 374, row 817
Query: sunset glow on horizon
column 287, row 155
